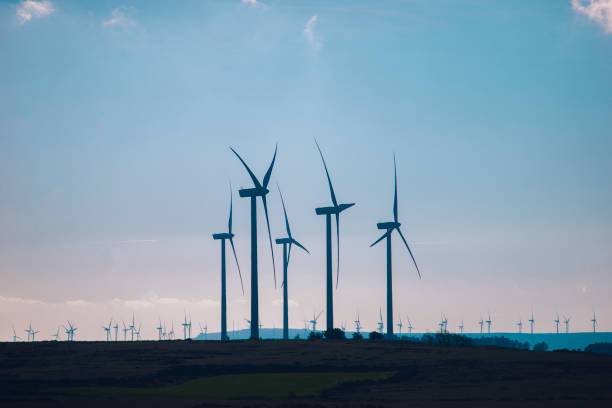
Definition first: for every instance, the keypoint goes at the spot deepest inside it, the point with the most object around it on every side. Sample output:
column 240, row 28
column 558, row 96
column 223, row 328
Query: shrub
column 542, row 346
column 357, row 336
column 375, row 336
column 335, row 334
column 315, row 336
column 599, row 348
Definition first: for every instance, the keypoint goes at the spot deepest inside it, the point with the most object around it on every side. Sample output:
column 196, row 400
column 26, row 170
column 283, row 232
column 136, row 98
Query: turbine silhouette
column 259, row 190
column 227, row 236
column 335, row 209
column 390, row 227
column 287, row 243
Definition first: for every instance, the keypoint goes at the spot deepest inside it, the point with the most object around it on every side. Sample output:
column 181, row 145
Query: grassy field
column 303, row 373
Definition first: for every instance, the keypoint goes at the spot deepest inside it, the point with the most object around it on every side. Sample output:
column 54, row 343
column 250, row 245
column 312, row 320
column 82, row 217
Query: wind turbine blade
column 337, row 248
column 300, row 245
column 284, row 211
column 409, row 251
column 266, row 179
column 255, row 181
column 331, row 188
column 229, row 222
column 319, row 315
column 231, row 240
column 385, row 235
column 265, row 205
column 395, row 196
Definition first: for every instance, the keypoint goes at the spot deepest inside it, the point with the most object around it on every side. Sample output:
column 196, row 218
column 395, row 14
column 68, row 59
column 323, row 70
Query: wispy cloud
column 254, row 3
column 309, row 33
column 10, row 299
column 78, row 302
column 29, row 9
column 290, row 302
column 119, row 18
column 599, row 11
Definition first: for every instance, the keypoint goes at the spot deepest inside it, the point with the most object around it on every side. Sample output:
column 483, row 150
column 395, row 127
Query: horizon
column 116, row 121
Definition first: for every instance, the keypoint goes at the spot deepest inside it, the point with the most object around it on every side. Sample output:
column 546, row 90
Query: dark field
column 297, row 373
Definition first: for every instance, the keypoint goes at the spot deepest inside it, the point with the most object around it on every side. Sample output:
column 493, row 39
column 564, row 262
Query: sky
column 116, row 120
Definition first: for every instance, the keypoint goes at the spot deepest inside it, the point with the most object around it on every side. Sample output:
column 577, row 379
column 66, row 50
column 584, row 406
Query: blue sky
column 116, row 117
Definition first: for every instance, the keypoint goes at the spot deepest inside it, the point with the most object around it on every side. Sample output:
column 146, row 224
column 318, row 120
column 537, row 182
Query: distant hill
column 555, row 341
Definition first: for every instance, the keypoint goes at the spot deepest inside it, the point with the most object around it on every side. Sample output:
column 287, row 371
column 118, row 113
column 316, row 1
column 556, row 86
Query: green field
column 240, row 385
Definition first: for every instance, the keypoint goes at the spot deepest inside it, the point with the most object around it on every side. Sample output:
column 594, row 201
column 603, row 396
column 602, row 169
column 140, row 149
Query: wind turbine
column 445, row 321
column 520, row 326
column 159, row 330
column 137, row 332
column 171, row 332
column 481, row 322
column 125, row 330
column 399, row 326
column 409, row 326
column 204, row 330
column 389, row 227
column 33, row 332
column 227, row 236
column 557, row 323
column 259, row 190
column 108, row 330
column 461, row 327
column 595, row 324
column 441, row 324
column 116, row 327
column 566, row 320
column 531, row 322
column 380, row 322
column 185, row 325
column 15, row 336
column 70, row 331
column 357, row 324
column 133, row 326
column 286, row 243
column 334, row 209
column 29, row 331
column 488, row 321
column 314, row 321
column 56, row 335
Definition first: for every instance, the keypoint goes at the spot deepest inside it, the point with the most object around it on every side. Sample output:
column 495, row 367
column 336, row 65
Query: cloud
column 78, row 302
column 254, row 3
column 290, row 302
column 10, row 299
column 119, row 18
column 309, row 33
column 29, row 9
column 599, row 11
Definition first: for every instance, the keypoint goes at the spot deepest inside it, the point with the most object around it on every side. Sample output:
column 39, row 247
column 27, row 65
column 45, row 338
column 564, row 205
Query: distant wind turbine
column 230, row 237
column 116, row 327
column 56, row 334
column 566, row 321
column 357, row 324
column 461, row 327
column 557, row 323
column 389, row 227
column 107, row 330
column 594, row 321
column 259, row 190
column 287, row 243
column 125, row 330
column 481, row 322
column 399, row 326
column 531, row 322
column 159, row 330
column 409, row 326
column 314, row 321
column 381, row 324
column 15, row 336
column 335, row 210
column 488, row 321
column 520, row 326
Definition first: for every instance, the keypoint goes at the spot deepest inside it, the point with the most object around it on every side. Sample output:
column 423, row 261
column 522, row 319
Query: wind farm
column 419, row 197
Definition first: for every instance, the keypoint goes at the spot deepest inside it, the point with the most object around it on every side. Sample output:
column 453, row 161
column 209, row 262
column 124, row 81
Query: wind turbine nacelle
column 283, row 241
column 387, row 225
column 333, row 209
column 253, row 192
column 224, row 235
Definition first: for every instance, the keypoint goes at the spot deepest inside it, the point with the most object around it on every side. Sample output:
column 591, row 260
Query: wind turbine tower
column 489, row 325
column 15, row 336
column 380, row 321
column 335, row 210
column 159, row 330
column 594, row 321
column 557, row 323
column 230, row 237
column 116, row 327
column 389, row 227
column 566, row 321
column 531, row 322
column 481, row 322
column 259, row 190
column 399, row 326
column 108, row 330
column 287, row 243
column 520, row 326
column 461, row 327
column 409, row 327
